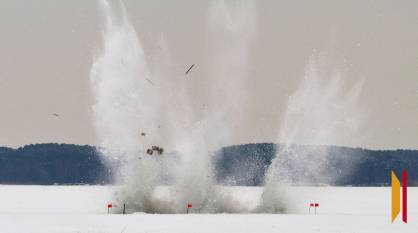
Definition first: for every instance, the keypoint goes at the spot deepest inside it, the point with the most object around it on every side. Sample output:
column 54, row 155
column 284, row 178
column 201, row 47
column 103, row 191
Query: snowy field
column 82, row 209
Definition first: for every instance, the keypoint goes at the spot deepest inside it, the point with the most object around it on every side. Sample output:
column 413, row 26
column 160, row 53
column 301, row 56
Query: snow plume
column 141, row 103
column 135, row 96
column 230, row 37
column 322, row 111
column 232, row 29
column 229, row 40
column 126, row 105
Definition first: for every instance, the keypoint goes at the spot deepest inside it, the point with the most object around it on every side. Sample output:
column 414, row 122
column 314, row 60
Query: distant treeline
column 342, row 166
column 53, row 163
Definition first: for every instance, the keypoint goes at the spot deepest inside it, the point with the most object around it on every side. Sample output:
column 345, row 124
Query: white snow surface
column 83, row 209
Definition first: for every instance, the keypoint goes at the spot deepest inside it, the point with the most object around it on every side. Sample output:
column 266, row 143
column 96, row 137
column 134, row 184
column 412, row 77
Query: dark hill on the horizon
column 344, row 166
column 54, row 163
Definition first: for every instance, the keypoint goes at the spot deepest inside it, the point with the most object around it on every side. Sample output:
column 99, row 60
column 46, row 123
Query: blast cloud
column 320, row 112
column 135, row 95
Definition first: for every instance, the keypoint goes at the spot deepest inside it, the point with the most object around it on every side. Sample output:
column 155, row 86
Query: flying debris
column 55, row 115
column 156, row 149
column 190, row 68
column 150, row 81
column 143, row 134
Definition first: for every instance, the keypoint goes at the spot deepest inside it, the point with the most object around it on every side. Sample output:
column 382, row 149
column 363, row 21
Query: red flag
column 189, row 206
column 109, row 205
column 316, row 204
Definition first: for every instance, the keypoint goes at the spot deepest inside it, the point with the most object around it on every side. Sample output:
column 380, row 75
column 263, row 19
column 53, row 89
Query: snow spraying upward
column 125, row 104
column 228, row 23
column 317, row 114
column 131, row 92
column 141, row 103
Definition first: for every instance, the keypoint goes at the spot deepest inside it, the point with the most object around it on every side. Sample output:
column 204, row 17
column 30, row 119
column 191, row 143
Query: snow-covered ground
column 83, row 209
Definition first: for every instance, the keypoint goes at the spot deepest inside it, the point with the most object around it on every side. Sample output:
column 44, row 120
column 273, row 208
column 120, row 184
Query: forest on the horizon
column 52, row 163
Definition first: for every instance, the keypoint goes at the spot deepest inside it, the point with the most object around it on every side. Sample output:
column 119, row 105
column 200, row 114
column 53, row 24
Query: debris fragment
column 190, row 68
column 143, row 134
column 157, row 149
column 150, row 81
column 55, row 115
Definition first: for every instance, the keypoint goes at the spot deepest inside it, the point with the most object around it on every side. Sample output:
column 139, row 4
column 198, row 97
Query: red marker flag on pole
column 189, row 206
column 109, row 206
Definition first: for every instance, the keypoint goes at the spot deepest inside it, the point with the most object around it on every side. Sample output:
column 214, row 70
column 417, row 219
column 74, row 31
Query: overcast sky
column 47, row 48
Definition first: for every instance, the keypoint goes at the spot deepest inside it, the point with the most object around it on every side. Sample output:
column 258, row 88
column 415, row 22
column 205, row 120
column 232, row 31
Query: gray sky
column 46, row 50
